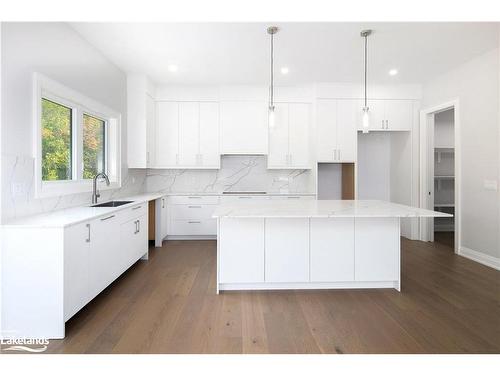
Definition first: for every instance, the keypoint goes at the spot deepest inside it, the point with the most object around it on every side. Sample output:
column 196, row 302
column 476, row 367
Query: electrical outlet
column 18, row 188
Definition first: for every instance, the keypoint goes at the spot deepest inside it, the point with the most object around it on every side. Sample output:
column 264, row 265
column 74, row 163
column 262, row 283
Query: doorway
column 439, row 173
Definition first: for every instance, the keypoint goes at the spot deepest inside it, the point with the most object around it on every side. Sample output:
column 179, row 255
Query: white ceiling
column 238, row 53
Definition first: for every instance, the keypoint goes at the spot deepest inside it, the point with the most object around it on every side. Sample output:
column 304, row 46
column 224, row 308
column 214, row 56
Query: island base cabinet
column 241, row 250
column 377, row 249
column 287, row 250
column 332, row 249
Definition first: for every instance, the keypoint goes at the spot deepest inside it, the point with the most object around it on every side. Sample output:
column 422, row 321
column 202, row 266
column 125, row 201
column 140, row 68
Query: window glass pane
column 93, row 146
column 56, row 141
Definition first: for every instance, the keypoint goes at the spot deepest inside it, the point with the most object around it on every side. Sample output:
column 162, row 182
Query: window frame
column 43, row 87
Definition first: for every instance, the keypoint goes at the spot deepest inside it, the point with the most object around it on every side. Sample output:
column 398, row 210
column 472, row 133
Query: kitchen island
column 315, row 244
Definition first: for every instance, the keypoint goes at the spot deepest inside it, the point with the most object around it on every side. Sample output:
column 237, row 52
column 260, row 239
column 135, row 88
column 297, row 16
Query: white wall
column 476, row 85
column 57, row 51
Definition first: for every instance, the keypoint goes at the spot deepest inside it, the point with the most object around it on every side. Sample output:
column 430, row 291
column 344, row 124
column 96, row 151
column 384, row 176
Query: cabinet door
column 241, row 249
column 141, row 242
column 209, row 135
column 150, row 132
column 298, row 125
column 376, row 249
column 244, row 127
column 346, row 130
column 326, row 142
column 287, row 250
column 76, row 268
column 167, row 134
column 398, row 114
column 278, row 138
column 332, row 249
column 189, row 118
column 105, row 258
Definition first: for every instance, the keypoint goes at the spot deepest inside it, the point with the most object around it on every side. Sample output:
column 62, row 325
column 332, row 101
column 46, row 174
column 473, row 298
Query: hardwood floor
column 168, row 304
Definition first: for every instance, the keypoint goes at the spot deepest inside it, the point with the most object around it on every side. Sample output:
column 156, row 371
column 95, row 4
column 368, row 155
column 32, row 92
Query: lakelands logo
column 24, row 345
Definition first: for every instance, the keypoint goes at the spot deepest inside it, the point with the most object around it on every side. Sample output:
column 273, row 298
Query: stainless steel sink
column 112, row 204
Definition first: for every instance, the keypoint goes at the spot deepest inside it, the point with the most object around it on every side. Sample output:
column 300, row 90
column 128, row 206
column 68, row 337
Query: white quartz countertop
column 75, row 215
column 322, row 208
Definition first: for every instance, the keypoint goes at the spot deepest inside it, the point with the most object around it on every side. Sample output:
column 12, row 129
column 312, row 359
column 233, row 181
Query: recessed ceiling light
column 393, row 72
column 284, row 70
column 173, row 68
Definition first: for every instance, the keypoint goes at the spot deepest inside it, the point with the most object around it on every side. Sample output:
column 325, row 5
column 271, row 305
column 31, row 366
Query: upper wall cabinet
column 244, row 127
column 336, row 130
column 140, row 122
column 388, row 114
column 187, row 135
column 289, row 137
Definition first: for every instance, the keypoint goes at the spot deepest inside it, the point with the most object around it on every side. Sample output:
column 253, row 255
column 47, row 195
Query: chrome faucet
column 95, row 193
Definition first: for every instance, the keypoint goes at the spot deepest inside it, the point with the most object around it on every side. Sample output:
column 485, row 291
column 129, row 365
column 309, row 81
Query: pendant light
column 271, row 31
column 366, row 115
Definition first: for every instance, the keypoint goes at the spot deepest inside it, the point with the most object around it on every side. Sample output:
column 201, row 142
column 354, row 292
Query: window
column 94, row 140
column 56, row 141
column 76, row 138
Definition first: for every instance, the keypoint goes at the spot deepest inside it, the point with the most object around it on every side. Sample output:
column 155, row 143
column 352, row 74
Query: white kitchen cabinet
column 244, row 127
column 76, row 268
column 104, row 253
column 192, row 216
column 135, row 231
column 387, row 114
column 377, row 249
column 209, row 155
column 289, row 137
column 189, row 116
column 187, row 135
column 336, row 130
column 140, row 122
column 241, row 251
column 167, row 134
column 287, row 250
column 332, row 249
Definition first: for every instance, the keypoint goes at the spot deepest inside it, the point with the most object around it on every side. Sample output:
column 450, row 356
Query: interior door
column 346, row 130
column 326, row 142
column 298, row 128
column 189, row 120
column 278, row 137
column 398, row 114
column 209, row 135
column 167, row 134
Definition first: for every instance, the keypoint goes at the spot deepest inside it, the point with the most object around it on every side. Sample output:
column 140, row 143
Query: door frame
column 426, row 156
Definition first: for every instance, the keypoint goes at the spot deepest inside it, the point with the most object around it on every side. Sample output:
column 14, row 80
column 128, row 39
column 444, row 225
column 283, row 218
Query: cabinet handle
column 88, row 237
column 147, row 157
column 194, row 197
column 138, row 226
column 136, row 208
column 245, row 197
column 135, row 222
column 162, row 203
column 293, row 197
column 194, row 222
column 194, row 206
column 107, row 218
column 387, row 124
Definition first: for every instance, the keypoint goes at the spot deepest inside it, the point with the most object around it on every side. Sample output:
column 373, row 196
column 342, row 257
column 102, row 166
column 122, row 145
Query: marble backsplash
column 237, row 173
column 18, row 189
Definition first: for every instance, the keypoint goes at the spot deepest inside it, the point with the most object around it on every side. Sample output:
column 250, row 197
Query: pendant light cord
column 271, row 89
column 366, row 55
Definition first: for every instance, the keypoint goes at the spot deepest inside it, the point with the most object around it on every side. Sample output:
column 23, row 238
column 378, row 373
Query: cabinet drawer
column 194, row 227
column 192, row 211
column 243, row 198
column 133, row 212
column 193, row 199
column 293, row 197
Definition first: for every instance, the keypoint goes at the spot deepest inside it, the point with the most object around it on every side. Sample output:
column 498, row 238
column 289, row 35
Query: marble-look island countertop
column 322, row 208
column 75, row 215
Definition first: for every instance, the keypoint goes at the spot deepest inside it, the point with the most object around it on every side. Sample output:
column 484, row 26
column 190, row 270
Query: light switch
column 491, row 185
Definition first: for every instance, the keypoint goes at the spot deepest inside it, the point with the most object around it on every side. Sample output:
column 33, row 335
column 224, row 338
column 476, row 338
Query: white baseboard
column 476, row 256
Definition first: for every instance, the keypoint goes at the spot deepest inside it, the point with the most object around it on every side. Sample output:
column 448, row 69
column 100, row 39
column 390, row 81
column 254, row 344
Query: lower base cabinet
column 287, row 250
column 241, row 251
column 332, row 249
